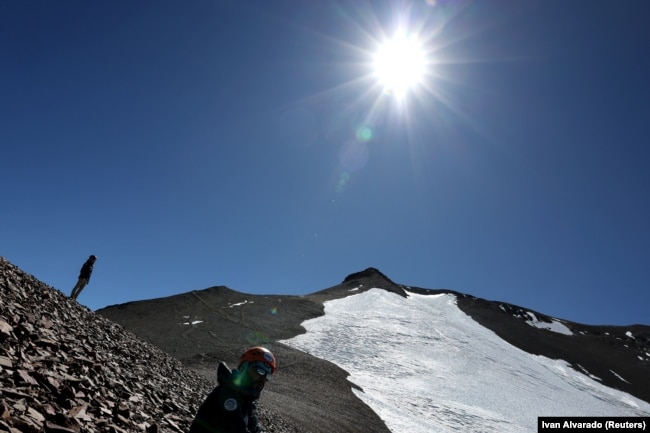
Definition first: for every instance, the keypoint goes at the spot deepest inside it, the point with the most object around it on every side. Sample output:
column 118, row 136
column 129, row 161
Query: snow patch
column 555, row 325
column 425, row 366
column 618, row 376
column 586, row 373
column 239, row 304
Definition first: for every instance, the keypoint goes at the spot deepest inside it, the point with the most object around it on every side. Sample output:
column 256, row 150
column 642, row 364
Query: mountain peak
column 373, row 277
column 367, row 273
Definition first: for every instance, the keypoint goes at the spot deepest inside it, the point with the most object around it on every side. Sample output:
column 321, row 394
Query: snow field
column 425, row 366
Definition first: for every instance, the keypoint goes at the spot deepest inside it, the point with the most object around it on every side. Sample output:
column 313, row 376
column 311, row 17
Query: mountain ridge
column 618, row 356
column 189, row 333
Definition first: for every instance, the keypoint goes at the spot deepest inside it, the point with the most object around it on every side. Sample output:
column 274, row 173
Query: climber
column 84, row 277
column 231, row 406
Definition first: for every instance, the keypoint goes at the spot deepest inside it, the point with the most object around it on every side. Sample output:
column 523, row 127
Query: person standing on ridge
column 84, row 277
column 231, row 406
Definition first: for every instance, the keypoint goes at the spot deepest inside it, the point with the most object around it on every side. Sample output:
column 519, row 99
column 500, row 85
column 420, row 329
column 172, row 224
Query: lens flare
column 364, row 134
column 256, row 338
column 354, row 155
column 344, row 178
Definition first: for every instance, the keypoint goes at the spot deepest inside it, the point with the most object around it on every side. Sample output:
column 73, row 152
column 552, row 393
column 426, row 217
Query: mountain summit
column 205, row 326
column 147, row 365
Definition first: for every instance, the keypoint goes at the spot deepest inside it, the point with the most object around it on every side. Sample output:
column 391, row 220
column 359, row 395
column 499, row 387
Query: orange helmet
column 259, row 354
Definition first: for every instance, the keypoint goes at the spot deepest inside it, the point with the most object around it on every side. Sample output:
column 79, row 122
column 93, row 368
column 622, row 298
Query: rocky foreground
column 65, row 369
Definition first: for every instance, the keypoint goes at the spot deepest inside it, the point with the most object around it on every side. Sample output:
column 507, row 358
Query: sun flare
column 400, row 64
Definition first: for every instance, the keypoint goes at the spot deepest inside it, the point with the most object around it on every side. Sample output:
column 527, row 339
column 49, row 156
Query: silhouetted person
column 84, row 277
column 231, row 406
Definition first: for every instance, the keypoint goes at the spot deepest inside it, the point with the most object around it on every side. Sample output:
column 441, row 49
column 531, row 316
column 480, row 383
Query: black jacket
column 227, row 409
column 87, row 269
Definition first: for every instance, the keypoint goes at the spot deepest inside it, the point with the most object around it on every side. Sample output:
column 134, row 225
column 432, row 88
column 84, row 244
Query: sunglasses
column 263, row 370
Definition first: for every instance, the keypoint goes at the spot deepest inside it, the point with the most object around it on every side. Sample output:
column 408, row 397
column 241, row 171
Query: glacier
column 425, row 366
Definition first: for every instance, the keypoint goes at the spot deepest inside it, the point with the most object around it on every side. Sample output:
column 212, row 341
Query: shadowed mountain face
column 204, row 327
column 617, row 356
column 64, row 368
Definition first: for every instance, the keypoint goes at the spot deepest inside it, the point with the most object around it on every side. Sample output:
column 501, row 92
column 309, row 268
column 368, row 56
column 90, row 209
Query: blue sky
column 249, row 144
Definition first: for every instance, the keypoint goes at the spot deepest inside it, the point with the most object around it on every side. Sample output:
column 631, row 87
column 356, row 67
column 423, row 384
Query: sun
column 400, row 64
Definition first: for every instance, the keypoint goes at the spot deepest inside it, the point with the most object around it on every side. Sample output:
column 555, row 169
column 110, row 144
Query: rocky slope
column 617, row 356
column 64, row 368
column 201, row 328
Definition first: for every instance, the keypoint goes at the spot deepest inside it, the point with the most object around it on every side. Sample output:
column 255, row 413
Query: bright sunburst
column 395, row 59
column 400, row 64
